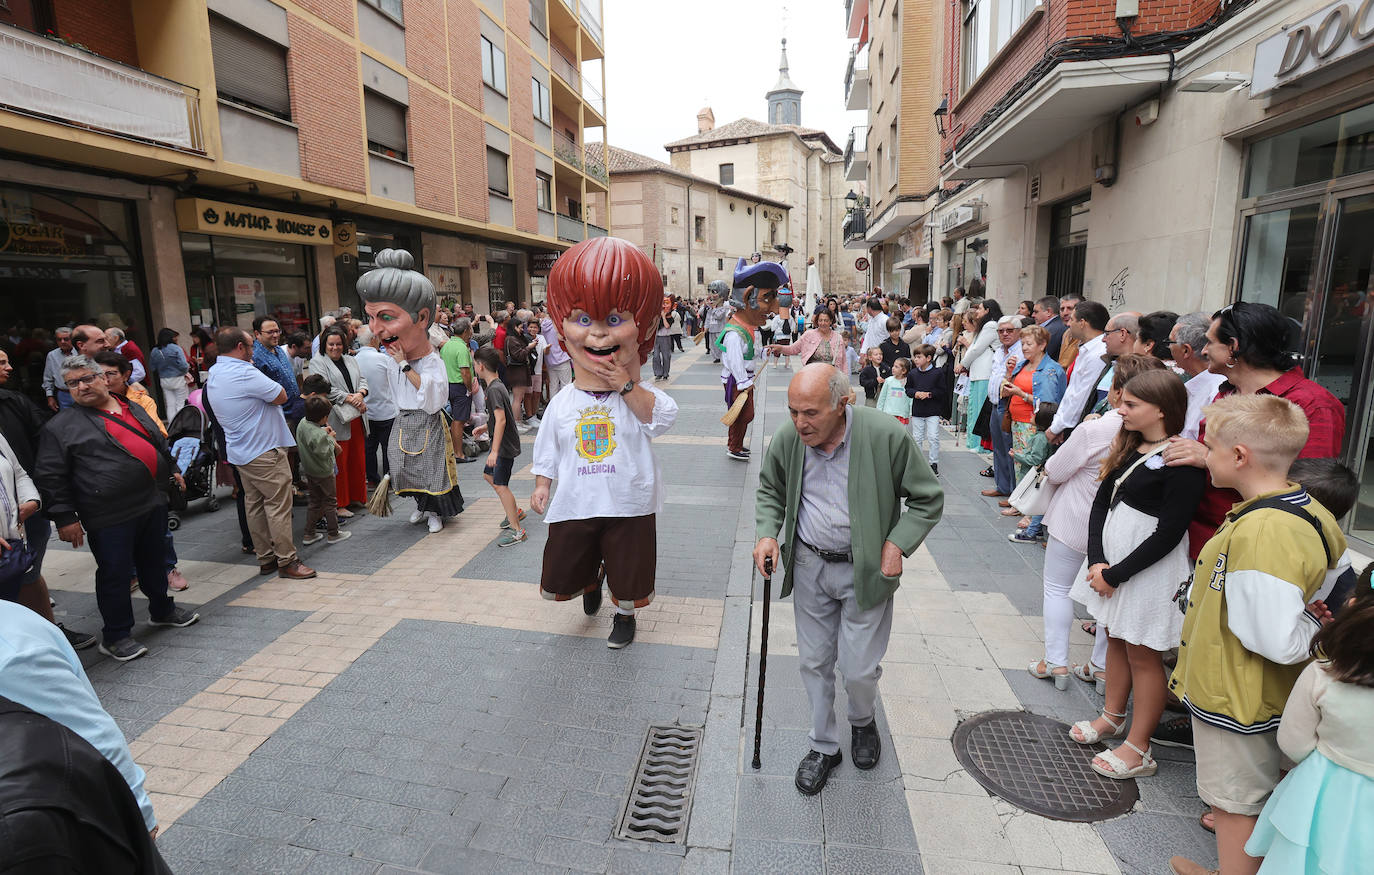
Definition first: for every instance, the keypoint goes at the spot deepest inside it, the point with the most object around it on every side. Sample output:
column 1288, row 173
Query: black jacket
column 893, row 350
column 932, row 380
column 20, row 421
column 1056, row 328
column 64, row 808
column 871, row 379
column 83, row 473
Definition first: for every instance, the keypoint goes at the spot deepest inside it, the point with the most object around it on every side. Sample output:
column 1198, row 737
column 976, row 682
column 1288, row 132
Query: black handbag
column 982, row 426
column 19, row 558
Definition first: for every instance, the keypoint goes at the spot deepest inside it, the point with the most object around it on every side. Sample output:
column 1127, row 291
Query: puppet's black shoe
column 865, row 745
column 815, row 770
column 622, row 631
column 591, row 600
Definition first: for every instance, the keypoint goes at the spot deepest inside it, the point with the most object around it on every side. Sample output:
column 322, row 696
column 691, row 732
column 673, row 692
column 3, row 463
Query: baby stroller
column 194, row 453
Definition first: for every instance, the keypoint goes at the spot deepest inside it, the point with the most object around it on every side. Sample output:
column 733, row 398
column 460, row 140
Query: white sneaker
column 436, row 524
column 417, row 517
column 341, row 536
column 533, row 422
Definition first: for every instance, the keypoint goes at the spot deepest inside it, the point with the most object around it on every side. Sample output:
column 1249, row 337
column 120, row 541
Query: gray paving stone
column 401, row 850
column 573, row 854
column 871, row 815
column 331, row 837
column 454, row 860
column 217, row 814
column 206, row 845
column 763, row 857
column 1143, row 842
column 868, row 861
column 771, row 808
column 270, row 824
column 282, row 859
column 705, row 861
column 330, row 864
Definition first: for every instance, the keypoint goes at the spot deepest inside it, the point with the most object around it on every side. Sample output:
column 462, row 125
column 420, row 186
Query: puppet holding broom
column 759, row 289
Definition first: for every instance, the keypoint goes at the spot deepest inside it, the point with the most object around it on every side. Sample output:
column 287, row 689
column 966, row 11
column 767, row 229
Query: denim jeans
column 1003, row 468
column 139, row 544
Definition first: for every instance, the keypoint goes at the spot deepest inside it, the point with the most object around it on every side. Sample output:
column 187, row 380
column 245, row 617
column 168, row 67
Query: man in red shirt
column 103, row 471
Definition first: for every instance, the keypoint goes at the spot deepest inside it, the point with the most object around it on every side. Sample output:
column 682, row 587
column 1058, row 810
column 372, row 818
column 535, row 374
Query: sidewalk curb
column 714, row 801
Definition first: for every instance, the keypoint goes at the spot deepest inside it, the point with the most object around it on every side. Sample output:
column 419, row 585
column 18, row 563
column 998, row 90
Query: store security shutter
column 249, row 68
column 386, row 123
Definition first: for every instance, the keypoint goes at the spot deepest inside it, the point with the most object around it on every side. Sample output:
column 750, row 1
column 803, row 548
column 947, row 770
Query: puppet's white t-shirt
column 601, row 455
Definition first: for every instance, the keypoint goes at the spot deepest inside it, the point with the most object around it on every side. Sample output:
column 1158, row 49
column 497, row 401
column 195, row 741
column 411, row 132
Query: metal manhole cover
column 1031, row 762
column 661, row 793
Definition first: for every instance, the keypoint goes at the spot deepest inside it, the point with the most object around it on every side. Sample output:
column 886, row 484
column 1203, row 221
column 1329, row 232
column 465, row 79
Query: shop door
column 500, row 284
column 1343, row 350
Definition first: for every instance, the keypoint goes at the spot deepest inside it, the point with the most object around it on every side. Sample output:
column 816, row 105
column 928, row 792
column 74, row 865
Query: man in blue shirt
column 272, row 360
column 256, row 437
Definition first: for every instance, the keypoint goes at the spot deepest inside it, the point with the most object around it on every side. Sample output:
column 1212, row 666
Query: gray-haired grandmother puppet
column 400, row 304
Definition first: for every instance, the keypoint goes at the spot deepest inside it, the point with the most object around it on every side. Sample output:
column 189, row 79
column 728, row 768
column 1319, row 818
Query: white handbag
column 1032, row 495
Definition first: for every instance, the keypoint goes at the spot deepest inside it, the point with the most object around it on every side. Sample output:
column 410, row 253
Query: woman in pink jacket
column 1073, row 469
column 820, row 344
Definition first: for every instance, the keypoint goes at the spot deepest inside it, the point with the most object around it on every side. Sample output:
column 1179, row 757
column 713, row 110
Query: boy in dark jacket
column 928, row 387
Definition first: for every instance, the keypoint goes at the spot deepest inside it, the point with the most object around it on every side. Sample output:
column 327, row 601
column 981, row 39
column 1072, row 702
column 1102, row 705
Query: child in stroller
column 194, row 453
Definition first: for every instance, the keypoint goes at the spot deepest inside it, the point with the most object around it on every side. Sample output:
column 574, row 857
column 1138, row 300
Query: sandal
column 1091, row 674
column 1089, row 626
column 1010, row 511
column 1208, row 822
column 1088, row 735
column 1061, row 678
column 1117, row 768
column 1024, row 524
column 986, row 472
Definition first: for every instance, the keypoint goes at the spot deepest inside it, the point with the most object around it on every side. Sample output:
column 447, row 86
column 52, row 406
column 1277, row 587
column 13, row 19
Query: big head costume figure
column 595, row 435
column 604, row 294
column 758, row 290
column 400, row 304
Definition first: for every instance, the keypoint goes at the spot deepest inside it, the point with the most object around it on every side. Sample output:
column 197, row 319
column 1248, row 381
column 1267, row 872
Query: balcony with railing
column 856, row 155
column 856, row 79
column 854, row 228
column 566, row 149
column 590, row 13
column 571, row 229
column 47, row 79
column 855, row 17
column 596, row 163
column 593, row 98
column 564, row 66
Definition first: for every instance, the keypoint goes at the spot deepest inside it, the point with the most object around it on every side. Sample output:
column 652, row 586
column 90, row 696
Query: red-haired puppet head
column 602, row 275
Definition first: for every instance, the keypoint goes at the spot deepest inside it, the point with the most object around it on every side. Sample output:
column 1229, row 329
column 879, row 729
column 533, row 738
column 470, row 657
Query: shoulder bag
column 19, row 558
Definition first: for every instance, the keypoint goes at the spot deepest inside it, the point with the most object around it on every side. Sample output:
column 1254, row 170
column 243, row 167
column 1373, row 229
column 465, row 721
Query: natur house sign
column 198, row 215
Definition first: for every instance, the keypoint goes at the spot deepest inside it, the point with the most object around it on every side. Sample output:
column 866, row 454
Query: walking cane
column 763, row 659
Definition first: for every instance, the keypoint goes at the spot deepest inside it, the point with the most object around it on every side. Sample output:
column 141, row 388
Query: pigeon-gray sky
column 665, row 61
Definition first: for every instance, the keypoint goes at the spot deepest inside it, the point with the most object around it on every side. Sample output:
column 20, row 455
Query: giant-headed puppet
column 757, row 293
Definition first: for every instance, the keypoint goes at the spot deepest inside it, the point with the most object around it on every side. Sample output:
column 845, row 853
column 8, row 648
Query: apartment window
column 541, row 101
column 720, row 264
column 498, row 172
column 892, row 153
column 969, row 48
column 386, row 125
column 701, row 275
column 249, row 68
column 539, row 16
column 493, row 65
column 699, row 228
column 544, row 189
column 878, row 169
column 574, row 209
column 727, row 174
column 391, row 8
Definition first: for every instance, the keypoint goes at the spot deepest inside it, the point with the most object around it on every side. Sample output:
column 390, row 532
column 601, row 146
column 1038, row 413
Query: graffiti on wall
column 1116, row 290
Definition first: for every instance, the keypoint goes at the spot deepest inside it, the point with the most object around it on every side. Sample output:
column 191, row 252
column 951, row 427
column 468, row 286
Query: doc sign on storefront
column 197, row 215
column 1326, row 38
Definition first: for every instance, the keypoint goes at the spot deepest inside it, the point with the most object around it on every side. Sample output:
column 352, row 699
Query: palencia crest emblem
column 595, row 434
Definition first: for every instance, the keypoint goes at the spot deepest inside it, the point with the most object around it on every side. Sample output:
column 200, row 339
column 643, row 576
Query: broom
column 733, row 413
column 380, row 503
column 696, row 339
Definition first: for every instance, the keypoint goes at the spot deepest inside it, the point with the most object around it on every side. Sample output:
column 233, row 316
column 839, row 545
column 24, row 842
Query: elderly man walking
column 247, row 405
column 53, row 387
column 103, row 471
column 834, row 481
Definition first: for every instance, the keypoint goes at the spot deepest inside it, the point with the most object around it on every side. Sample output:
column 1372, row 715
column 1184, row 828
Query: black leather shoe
column 865, row 746
column 591, row 601
column 815, row 770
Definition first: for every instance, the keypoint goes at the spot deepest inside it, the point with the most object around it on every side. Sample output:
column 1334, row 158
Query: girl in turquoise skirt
column 1317, row 821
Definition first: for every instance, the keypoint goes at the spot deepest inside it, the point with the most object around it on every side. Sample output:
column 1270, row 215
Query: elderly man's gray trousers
column 831, row 628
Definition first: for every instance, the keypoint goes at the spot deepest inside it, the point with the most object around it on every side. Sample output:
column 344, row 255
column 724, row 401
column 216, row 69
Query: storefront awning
column 1073, row 98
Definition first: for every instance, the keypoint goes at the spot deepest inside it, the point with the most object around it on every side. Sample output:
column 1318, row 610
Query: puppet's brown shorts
column 576, row 549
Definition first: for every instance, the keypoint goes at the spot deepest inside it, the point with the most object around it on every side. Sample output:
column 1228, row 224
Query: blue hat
column 764, row 275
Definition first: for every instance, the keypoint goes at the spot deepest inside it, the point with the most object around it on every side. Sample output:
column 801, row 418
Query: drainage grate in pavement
column 661, row 795
column 1031, row 762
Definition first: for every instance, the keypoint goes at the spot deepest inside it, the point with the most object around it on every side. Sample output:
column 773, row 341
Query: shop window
column 544, row 188
column 1327, row 149
column 727, row 174
column 390, row 8
column 249, row 68
column 493, row 66
column 386, row 125
column 232, row 281
column 498, row 172
column 542, row 110
column 699, row 228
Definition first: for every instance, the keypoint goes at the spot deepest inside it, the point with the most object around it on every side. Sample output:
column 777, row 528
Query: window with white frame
column 391, row 7
column 969, row 43
column 498, row 172
column 386, row 125
column 987, row 27
column 544, row 188
column 541, row 101
column 493, row 66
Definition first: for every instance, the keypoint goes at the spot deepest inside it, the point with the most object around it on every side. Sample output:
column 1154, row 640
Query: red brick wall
column 339, row 13
column 471, row 163
column 520, row 92
column 522, row 187
column 518, row 19
column 431, row 150
column 465, row 57
column 1062, row 18
column 106, row 27
column 425, row 48
column 326, row 106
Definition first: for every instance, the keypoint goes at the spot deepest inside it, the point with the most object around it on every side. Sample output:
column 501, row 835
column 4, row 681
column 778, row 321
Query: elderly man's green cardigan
column 886, row 469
